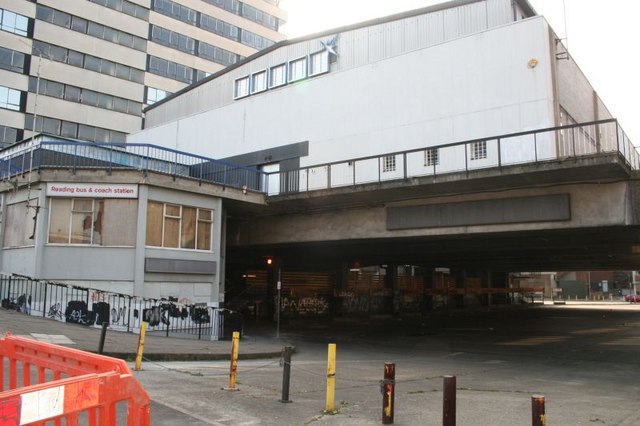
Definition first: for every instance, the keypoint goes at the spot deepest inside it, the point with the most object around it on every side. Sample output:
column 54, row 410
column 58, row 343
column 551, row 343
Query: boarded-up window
column 101, row 222
column 205, row 220
column 155, row 213
column 175, row 226
column 19, row 223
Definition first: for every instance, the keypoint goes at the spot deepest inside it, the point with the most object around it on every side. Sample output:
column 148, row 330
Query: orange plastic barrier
column 49, row 382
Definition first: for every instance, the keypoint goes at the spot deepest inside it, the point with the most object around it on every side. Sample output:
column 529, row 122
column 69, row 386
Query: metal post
column 388, row 392
column 537, row 411
column 499, row 153
column 143, row 331
column 286, row 373
column 279, row 289
column 103, row 335
column 331, row 379
column 233, row 370
column 449, row 401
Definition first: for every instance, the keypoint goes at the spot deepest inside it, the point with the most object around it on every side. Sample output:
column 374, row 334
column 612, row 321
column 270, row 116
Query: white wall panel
column 356, row 48
column 450, row 92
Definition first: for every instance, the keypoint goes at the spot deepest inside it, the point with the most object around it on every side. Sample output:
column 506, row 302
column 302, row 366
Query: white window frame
column 298, row 69
column 319, row 59
column 478, row 150
column 259, row 81
column 279, row 71
column 241, row 87
column 180, row 217
column 13, row 22
column 431, row 157
column 388, row 163
column 10, row 98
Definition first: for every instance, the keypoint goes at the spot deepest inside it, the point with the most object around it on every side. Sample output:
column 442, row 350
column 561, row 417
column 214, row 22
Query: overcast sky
column 603, row 38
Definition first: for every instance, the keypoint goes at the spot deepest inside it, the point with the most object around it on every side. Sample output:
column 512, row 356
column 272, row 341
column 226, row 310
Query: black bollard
column 537, row 411
column 449, row 401
column 103, row 335
column 388, row 386
column 286, row 373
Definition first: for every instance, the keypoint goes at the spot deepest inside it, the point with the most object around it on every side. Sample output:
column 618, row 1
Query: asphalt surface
column 582, row 357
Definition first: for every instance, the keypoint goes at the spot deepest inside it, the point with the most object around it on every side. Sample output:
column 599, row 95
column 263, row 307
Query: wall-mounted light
column 533, row 62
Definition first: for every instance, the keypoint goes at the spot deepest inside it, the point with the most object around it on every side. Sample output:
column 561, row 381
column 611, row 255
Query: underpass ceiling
column 614, row 248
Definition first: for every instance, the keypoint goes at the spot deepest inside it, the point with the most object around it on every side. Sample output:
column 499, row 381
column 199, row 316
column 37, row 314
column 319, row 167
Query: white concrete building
column 458, row 71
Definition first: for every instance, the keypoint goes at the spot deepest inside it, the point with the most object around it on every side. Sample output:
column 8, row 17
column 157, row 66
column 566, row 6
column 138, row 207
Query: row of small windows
column 75, row 23
column 10, row 135
column 211, row 24
column 10, row 98
column 246, row 11
column 279, row 75
column 11, row 60
column 125, row 6
column 174, row 70
column 192, row 46
column 477, row 150
column 14, row 23
column 73, row 130
column 84, row 96
column 93, row 63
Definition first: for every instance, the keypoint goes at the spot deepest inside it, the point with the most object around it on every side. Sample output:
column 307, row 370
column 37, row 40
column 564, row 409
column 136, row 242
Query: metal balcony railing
column 75, row 155
column 583, row 139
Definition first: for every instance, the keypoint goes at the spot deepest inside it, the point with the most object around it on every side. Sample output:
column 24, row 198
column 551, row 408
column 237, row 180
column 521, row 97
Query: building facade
column 402, row 164
column 126, row 222
column 86, row 69
column 452, row 72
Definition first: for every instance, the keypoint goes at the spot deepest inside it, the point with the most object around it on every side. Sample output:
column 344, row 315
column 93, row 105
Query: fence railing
column 171, row 317
column 530, row 147
column 75, row 155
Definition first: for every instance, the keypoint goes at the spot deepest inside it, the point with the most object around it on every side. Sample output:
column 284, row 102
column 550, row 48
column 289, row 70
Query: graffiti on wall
column 304, row 305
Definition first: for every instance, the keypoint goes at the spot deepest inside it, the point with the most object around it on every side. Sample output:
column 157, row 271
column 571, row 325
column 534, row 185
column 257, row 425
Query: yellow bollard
column 233, row 371
column 331, row 379
column 143, row 331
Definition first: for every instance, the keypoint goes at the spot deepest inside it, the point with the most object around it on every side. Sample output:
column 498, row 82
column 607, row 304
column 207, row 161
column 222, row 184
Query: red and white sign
column 92, row 190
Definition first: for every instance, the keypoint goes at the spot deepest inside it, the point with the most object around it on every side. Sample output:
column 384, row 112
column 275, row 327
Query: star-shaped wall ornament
column 331, row 45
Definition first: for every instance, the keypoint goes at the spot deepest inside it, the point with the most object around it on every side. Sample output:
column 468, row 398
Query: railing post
column 535, row 146
column 110, row 159
column 75, row 158
column 379, row 170
column 129, row 315
column 617, row 135
column 354, row 171
column 499, row 153
column 573, row 140
column 329, row 176
column 44, row 304
column 145, row 168
column 466, row 158
column 175, row 167
column 404, row 161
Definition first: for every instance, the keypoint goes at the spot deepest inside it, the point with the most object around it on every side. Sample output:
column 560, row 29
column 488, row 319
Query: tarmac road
column 582, row 357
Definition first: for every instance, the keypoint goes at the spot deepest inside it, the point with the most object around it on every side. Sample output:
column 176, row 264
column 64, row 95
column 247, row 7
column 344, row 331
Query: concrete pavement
column 582, row 357
column 124, row 345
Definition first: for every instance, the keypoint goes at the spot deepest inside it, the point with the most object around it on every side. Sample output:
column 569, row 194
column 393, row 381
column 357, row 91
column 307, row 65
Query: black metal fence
column 92, row 308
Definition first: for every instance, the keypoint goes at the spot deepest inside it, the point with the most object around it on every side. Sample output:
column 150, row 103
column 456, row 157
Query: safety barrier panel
column 43, row 383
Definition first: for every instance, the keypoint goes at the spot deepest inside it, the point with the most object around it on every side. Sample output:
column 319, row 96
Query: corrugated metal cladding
column 356, row 48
